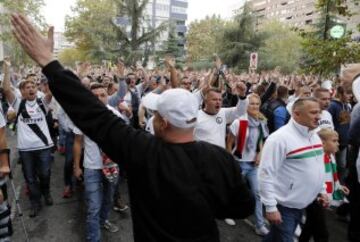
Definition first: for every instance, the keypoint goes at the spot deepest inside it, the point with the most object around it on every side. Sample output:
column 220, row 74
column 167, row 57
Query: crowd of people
column 193, row 145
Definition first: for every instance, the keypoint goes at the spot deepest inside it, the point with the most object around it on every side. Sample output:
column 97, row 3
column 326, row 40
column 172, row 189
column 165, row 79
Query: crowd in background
column 238, row 112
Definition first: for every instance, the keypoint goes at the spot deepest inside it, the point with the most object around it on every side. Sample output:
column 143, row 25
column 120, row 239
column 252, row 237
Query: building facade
column 61, row 43
column 297, row 13
column 158, row 11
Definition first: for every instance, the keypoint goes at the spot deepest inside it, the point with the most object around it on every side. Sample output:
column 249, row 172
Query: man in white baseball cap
column 175, row 110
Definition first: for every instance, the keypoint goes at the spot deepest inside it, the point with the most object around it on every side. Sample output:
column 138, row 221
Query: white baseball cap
column 179, row 106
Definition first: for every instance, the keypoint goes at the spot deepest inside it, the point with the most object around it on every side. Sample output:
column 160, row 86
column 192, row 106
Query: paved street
column 65, row 220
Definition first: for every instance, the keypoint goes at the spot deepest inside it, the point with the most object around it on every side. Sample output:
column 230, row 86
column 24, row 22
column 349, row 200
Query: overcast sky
column 55, row 11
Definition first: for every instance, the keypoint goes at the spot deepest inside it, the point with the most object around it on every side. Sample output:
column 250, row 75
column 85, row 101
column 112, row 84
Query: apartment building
column 158, row 11
column 298, row 13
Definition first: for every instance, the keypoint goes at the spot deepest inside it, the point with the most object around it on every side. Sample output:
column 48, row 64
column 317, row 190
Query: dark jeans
column 354, row 196
column 36, row 169
column 284, row 232
column 69, row 159
column 315, row 225
column 341, row 164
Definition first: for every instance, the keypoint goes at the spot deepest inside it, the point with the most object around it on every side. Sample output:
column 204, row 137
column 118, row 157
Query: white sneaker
column 230, row 221
column 262, row 231
column 298, row 231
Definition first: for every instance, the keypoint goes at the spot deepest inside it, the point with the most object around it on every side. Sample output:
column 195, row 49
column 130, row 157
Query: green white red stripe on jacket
column 305, row 152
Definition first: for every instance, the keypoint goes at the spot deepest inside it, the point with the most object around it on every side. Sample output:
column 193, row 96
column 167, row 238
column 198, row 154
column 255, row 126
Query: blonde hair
column 254, row 95
column 327, row 133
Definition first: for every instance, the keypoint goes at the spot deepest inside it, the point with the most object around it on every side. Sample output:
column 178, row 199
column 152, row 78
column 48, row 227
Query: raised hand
column 169, row 62
column 39, row 48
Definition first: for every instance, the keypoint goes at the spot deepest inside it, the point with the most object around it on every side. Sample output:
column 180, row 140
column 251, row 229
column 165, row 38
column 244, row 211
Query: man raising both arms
column 177, row 186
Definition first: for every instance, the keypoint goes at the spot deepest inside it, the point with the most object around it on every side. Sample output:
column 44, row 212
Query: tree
column 91, row 28
column 281, row 47
column 31, row 9
column 95, row 29
column 171, row 45
column 69, row 56
column 204, row 38
column 240, row 39
column 323, row 55
column 133, row 45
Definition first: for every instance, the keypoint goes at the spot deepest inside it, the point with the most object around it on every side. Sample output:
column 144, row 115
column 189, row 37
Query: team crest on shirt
column 219, row 120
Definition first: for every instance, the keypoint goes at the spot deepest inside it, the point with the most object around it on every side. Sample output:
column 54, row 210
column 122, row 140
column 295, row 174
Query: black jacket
column 176, row 190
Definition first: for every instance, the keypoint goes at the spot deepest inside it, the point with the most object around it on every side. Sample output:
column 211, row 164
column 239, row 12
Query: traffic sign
column 337, row 31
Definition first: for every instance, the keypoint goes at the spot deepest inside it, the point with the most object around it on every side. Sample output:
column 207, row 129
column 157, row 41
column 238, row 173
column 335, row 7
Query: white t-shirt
column 92, row 153
column 27, row 140
column 150, row 125
column 212, row 128
column 2, row 118
column 326, row 120
column 247, row 155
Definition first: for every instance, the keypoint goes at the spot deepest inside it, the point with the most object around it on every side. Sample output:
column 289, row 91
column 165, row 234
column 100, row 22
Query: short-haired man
column 212, row 119
column 291, row 173
column 324, row 97
column 99, row 191
column 177, row 186
column 33, row 139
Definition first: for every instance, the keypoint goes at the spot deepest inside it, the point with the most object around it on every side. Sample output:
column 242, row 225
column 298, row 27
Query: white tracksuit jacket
column 292, row 171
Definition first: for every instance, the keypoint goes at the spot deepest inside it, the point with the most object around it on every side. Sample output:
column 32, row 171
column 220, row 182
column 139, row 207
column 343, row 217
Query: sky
column 55, row 11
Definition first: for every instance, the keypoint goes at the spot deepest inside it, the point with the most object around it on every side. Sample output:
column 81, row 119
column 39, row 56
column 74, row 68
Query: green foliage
column 326, row 56
column 171, row 46
column 282, row 47
column 323, row 55
column 204, row 38
column 94, row 31
column 90, row 28
column 240, row 39
column 31, row 9
column 70, row 56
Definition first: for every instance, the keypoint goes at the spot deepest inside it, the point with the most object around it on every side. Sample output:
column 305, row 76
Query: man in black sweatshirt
column 177, row 186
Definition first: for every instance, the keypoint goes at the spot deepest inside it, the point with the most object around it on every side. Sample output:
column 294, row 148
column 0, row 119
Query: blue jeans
column 61, row 136
column 99, row 197
column 249, row 171
column 68, row 166
column 36, row 166
column 284, row 232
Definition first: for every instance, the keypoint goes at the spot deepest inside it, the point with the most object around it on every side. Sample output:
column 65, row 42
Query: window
column 180, row 10
column 308, row 21
column 180, row 22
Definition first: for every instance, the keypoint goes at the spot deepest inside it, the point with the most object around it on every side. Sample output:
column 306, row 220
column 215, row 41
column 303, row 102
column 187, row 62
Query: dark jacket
column 354, row 130
column 176, row 190
column 341, row 114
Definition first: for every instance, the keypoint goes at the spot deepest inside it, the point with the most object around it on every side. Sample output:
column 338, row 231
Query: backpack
column 35, row 128
column 268, row 109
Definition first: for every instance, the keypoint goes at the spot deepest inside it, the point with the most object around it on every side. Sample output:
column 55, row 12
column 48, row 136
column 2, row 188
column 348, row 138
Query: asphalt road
column 65, row 220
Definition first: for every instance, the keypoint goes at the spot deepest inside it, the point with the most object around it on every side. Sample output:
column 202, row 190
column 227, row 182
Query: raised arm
column 241, row 107
column 114, row 137
column 115, row 99
column 8, row 91
column 170, row 65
